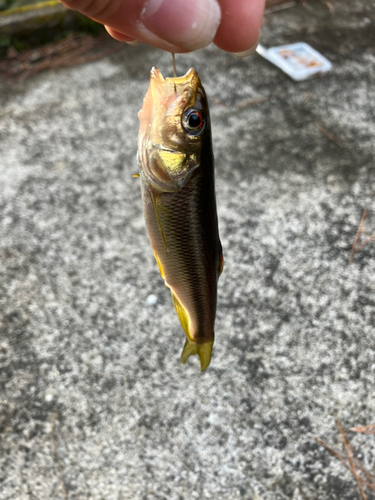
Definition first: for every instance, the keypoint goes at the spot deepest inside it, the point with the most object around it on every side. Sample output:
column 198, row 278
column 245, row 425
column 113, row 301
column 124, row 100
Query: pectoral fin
column 202, row 350
column 173, row 161
column 158, row 219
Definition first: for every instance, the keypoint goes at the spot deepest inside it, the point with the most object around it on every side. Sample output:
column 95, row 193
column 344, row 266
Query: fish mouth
column 173, row 93
column 168, row 156
column 162, row 88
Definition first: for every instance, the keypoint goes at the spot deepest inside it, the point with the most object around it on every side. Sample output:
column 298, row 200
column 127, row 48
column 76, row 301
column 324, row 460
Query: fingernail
column 247, row 52
column 134, row 43
column 190, row 25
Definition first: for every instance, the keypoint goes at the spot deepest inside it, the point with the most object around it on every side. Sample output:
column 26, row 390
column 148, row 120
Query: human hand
column 179, row 25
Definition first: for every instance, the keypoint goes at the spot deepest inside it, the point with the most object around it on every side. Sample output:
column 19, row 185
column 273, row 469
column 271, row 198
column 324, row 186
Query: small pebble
column 151, row 300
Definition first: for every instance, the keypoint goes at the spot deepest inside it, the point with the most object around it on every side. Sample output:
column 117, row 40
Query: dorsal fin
column 221, row 263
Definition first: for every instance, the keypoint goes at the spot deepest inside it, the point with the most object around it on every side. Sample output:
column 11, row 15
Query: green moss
column 5, row 4
column 87, row 25
column 19, row 45
column 4, row 41
column 50, row 33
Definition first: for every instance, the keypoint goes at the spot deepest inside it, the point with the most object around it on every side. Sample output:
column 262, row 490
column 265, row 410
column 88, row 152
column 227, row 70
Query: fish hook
column 174, row 70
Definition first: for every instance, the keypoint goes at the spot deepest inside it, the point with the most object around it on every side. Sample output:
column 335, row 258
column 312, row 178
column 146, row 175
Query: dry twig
column 335, row 453
column 366, row 429
column 252, row 102
column 57, row 457
column 358, row 235
column 307, row 97
column 217, row 101
column 352, row 461
column 242, row 104
column 75, row 49
column 367, row 240
column 277, row 6
column 330, row 136
column 330, row 7
column 358, row 248
column 360, row 466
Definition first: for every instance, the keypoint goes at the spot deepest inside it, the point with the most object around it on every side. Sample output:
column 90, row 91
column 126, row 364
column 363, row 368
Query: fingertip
column 134, row 43
column 189, row 25
column 142, row 35
column 248, row 52
column 119, row 36
column 239, row 30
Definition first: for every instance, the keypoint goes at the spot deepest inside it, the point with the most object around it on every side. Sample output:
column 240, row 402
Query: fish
column 176, row 170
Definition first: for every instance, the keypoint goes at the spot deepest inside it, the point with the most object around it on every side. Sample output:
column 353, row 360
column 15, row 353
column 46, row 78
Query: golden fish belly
column 182, row 227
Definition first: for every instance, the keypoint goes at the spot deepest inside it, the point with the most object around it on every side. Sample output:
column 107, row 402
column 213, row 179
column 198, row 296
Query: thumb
column 173, row 25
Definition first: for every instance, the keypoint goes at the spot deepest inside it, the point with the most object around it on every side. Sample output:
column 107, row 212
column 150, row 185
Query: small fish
column 178, row 191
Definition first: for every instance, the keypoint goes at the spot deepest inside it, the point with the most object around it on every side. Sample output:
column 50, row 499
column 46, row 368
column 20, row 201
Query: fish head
column 174, row 122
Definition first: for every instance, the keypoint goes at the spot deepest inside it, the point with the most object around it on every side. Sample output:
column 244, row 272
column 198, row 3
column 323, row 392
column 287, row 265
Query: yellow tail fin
column 202, row 350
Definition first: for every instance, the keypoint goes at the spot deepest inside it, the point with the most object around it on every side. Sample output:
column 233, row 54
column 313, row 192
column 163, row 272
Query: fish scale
column 177, row 182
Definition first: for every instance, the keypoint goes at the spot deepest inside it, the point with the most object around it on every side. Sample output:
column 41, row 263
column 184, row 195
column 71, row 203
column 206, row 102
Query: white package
column 298, row 60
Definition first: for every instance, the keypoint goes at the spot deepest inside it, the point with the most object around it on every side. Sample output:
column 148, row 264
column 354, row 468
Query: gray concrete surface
column 93, row 398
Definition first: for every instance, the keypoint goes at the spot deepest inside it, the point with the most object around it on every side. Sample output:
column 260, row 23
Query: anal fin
column 160, row 266
column 182, row 313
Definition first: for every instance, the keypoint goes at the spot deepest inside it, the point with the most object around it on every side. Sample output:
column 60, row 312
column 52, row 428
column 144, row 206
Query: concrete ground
column 94, row 403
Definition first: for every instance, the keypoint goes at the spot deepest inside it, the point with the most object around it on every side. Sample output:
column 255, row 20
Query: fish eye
column 193, row 121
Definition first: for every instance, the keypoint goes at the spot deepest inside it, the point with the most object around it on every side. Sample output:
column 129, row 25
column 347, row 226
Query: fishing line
column 174, row 64
column 174, row 70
